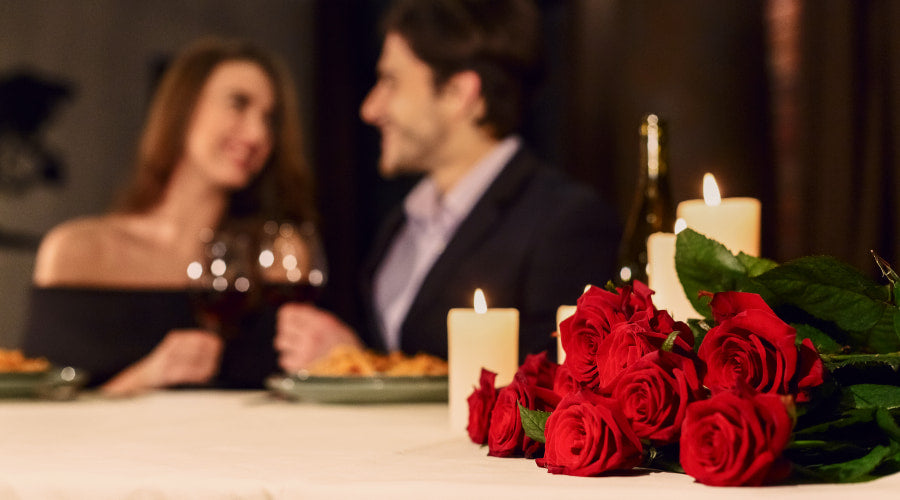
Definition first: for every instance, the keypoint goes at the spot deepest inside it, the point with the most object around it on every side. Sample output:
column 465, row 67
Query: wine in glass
column 291, row 262
column 225, row 281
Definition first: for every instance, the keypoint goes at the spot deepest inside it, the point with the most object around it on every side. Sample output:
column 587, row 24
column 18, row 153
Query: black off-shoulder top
column 102, row 331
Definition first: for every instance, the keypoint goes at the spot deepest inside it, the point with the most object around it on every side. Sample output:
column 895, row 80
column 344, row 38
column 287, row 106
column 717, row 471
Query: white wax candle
column 479, row 338
column 734, row 222
column 662, row 277
column 562, row 313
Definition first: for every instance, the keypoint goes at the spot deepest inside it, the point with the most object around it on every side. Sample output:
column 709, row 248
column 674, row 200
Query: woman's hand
column 182, row 357
column 306, row 333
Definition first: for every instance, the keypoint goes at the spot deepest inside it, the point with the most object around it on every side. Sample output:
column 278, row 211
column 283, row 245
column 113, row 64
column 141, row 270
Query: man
column 487, row 214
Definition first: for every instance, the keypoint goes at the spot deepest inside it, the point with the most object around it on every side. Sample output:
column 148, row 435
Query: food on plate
column 346, row 360
column 13, row 361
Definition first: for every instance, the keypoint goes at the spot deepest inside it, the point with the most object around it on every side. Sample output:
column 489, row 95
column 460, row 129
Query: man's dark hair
column 498, row 39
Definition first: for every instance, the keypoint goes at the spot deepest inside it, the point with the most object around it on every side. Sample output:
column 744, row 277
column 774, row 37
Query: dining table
column 218, row 444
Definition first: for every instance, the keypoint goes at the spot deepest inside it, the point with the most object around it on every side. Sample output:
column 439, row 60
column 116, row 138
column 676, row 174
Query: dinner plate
column 349, row 390
column 57, row 383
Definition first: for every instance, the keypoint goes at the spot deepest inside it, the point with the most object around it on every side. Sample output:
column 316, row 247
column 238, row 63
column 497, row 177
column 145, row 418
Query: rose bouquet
column 791, row 375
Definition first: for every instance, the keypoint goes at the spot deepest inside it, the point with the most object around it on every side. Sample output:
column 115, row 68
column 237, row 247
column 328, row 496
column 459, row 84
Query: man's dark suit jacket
column 533, row 241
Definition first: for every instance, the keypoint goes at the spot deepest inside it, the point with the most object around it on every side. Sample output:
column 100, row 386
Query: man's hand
column 306, row 333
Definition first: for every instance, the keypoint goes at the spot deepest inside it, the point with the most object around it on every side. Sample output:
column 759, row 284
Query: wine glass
column 291, row 262
column 225, row 282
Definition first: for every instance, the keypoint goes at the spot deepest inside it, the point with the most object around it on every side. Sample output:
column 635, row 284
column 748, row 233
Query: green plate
column 353, row 390
column 58, row 383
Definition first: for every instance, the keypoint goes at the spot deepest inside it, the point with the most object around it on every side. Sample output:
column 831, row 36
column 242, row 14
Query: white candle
column 662, row 277
column 562, row 313
column 734, row 222
column 479, row 338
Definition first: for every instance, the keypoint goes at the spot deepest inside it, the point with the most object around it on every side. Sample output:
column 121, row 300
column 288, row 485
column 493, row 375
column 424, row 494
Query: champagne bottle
column 652, row 210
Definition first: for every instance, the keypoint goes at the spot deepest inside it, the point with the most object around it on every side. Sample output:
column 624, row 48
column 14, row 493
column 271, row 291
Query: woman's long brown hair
column 283, row 190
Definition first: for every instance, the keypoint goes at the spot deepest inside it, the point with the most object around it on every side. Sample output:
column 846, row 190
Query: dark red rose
column 565, row 383
column 539, row 370
column 662, row 325
column 505, row 434
column 630, row 341
column 654, row 393
column 598, row 311
column 756, row 346
column 810, row 370
column 637, row 298
column 727, row 304
column 736, row 438
column 588, row 435
column 627, row 343
column 506, row 437
column 481, row 403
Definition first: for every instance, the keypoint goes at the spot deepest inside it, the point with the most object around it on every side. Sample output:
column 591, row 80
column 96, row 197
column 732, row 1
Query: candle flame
column 480, row 302
column 711, row 191
column 680, row 225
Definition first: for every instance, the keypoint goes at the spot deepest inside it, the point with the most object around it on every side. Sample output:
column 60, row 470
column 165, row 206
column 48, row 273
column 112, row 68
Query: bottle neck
column 653, row 153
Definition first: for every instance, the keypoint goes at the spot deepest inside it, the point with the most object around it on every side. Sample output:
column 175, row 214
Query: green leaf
column 888, row 424
column 859, row 469
column 829, row 290
column 863, row 361
column 705, row 265
column 699, row 328
column 823, row 342
column 755, row 265
column 873, row 396
column 533, row 422
column 669, row 343
column 836, row 427
column 885, row 335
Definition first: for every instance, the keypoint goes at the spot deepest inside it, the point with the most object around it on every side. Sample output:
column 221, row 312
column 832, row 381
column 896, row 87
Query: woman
column 221, row 143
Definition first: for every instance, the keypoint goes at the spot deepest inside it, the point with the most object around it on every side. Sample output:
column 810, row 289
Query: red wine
column 276, row 294
column 221, row 311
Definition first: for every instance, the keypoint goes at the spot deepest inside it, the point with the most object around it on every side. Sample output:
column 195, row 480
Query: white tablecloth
column 206, row 444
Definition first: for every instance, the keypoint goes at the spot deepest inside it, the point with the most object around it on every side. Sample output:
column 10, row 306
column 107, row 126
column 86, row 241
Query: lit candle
column 479, row 338
column 662, row 276
column 734, row 222
column 562, row 313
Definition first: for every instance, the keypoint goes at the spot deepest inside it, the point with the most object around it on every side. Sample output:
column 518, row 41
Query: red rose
column 539, row 370
column 630, row 341
column 505, row 434
column 506, row 437
column 598, row 311
column 565, row 383
column 756, row 346
column 810, row 370
column 663, row 325
column 588, row 435
column 736, row 438
column 627, row 343
column 654, row 393
column 727, row 304
column 481, row 403
column 638, row 297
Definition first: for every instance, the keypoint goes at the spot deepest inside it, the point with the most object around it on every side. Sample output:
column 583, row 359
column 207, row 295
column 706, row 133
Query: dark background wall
column 789, row 101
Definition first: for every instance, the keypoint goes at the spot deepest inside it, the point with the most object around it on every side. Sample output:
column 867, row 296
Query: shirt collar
column 425, row 204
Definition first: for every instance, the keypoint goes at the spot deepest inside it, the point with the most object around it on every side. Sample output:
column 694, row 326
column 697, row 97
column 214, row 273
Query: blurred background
column 794, row 102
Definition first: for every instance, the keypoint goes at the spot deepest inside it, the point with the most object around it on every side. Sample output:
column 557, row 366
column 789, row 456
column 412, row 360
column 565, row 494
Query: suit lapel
column 475, row 227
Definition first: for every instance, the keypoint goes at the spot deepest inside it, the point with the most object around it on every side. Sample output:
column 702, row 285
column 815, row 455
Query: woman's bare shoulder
column 73, row 252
